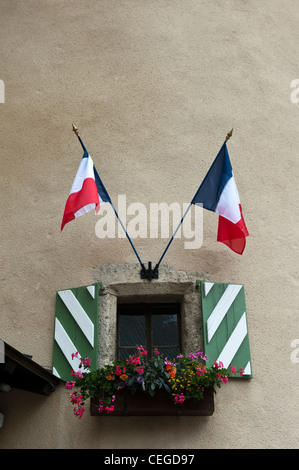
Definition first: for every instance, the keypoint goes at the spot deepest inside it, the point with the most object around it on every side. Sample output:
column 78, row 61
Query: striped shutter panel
column 75, row 329
column 225, row 326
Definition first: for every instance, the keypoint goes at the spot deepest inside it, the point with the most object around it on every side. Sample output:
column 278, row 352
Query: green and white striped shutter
column 75, row 329
column 225, row 326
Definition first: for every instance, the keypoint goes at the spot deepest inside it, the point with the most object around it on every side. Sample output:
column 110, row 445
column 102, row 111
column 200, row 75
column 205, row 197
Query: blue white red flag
column 218, row 193
column 87, row 193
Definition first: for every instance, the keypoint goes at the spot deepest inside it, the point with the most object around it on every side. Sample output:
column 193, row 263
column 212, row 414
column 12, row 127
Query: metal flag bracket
column 149, row 273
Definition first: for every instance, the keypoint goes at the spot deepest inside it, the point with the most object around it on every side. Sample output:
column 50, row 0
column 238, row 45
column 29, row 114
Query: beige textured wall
column 153, row 86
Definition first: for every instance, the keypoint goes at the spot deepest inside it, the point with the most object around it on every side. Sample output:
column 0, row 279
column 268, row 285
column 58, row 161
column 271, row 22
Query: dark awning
column 21, row 372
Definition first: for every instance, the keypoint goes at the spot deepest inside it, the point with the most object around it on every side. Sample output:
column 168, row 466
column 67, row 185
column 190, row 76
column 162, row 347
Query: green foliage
column 184, row 377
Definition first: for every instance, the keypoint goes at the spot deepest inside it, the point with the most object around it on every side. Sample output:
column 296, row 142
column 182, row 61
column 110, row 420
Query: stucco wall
column 154, row 87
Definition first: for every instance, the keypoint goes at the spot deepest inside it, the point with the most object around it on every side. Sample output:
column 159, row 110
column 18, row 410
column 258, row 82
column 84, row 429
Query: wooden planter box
column 142, row 404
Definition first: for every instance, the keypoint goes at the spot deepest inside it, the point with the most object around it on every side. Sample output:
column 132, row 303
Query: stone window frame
column 122, row 284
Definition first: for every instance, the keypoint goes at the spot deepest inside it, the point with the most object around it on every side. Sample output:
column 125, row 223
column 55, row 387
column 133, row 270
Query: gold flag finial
column 75, row 129
column 228, row 136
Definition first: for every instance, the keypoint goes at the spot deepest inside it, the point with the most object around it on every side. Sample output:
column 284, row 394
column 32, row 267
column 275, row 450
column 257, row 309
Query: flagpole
column 228, row 136
column 141, row 264
column 76, row 131
column 174, row 234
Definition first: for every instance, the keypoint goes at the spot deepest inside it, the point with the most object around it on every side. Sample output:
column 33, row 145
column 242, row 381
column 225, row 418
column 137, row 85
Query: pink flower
column 179, row 398
column 101, row 406
column 109, row 409
column 168, row 363
column 118, row 370
column 203, row 357
column 78, row 374
column 139, row 370
column 218, row 365
column 233, row 370
column 223, row 378
column 79, row 411
column 86, row 361
column 156, row 352
column 241, row 371
column 133, row 360
column 142, row 351
column 76, row 398
column 70, row 385
column 201, row 370
column 75, row 354
column 192, row 356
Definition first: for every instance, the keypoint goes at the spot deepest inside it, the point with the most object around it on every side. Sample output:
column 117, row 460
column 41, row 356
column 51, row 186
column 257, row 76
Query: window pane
column 131, row 330
column 170, row 353
column 165, row 330
column 126, row 353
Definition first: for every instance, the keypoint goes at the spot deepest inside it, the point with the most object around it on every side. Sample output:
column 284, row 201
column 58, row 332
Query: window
column 152, row 326
column 123, row 288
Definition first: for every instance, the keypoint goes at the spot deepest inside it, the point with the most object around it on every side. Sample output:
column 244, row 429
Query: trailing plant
column 184, row 378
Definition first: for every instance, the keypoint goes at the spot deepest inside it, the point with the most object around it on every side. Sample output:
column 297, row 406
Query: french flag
column 218, row 193
column 87, row 193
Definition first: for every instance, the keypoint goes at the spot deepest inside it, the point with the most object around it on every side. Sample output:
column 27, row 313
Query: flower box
column 155, row 387
column 142, row 404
